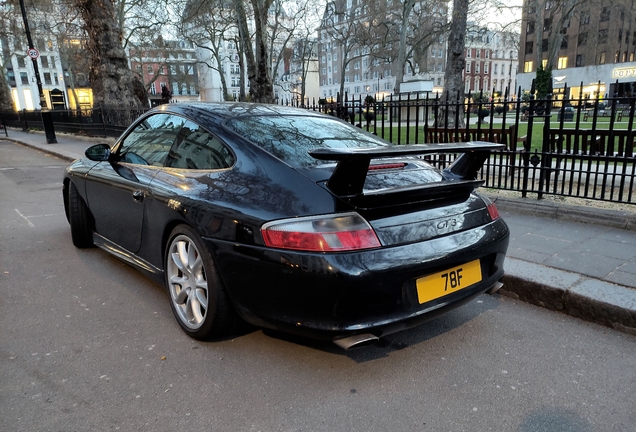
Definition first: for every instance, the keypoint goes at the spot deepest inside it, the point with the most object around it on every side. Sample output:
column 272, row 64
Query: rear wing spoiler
column 353, row 164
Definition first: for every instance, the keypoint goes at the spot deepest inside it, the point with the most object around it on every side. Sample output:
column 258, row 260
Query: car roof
column 217, row 112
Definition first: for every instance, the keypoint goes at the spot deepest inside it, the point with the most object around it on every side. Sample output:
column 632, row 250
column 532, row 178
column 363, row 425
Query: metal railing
column 568, row 147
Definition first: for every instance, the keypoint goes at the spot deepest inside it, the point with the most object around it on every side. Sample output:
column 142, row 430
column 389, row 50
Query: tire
column 80, row 218
column 197, row 297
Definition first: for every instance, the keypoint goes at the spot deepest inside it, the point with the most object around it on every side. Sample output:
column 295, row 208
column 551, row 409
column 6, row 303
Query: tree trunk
column 111, row 78
column 258, row 69
column 6, row 103
column 453, row 80
column 407, row 7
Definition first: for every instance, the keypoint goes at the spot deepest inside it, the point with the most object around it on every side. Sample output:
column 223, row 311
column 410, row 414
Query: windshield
column 291, row 138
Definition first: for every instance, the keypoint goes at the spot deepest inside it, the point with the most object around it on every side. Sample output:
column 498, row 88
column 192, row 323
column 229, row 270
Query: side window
column 149, row 143
column 196, row 148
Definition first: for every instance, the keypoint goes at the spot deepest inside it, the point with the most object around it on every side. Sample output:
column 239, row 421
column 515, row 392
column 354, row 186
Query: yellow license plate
column 448, row 281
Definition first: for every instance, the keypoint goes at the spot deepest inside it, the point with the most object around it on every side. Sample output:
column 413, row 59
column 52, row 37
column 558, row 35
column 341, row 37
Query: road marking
column 25, row 218
column 7, row 169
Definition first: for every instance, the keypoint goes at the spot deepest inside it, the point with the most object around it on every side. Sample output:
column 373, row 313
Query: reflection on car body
column 289, row 220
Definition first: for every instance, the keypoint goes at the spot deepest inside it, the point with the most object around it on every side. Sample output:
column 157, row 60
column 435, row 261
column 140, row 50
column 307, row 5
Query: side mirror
column 98, row 152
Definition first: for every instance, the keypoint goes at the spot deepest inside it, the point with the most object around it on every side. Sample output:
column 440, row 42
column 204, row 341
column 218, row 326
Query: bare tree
column 110, row 75
column 211, row 26
column 342, row 26
column 455, row 63
column 256, row 55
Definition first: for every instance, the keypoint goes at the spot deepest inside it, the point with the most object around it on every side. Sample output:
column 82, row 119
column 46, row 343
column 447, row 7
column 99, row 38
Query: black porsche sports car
column 288, row 219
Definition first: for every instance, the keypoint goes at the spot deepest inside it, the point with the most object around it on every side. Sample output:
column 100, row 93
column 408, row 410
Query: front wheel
column 197, row 298
column 79, row 216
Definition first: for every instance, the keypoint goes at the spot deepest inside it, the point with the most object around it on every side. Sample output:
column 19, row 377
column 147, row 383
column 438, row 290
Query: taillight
column 492, row 211
column 327, row 233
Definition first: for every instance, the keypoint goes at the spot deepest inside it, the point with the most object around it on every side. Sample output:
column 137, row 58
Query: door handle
column 138, row 195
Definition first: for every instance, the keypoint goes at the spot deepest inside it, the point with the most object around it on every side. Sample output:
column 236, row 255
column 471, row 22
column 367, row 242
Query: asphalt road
column 88, row 343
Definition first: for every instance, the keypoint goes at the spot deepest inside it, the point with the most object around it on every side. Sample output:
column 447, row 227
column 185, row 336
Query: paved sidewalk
column 573, row 259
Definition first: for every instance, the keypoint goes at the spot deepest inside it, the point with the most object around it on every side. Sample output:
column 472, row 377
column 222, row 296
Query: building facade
column 491, row 61
column 590, row 49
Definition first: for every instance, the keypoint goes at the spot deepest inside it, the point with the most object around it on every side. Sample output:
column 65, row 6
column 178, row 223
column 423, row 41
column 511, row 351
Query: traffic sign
column 33, row 53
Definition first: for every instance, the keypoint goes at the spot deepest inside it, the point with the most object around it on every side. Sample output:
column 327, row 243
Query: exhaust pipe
column 496, row 287
column 356, row 341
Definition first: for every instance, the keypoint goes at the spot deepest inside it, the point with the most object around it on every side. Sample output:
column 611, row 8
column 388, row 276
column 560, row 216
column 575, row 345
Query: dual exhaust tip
column 364, row 339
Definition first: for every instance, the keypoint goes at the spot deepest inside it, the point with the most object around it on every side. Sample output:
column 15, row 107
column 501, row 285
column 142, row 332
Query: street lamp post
column 47, row 120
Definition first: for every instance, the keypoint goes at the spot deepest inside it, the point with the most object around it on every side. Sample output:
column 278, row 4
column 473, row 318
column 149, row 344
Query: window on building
column 547, row 24
column 433, row 53
column 530, row 27
column 617, row 56
column 582, row 39
column 544, row 63
column 477, row 67
column 585, row 17
column 601, row 59
column 47, row 78
column 468, row 53
column 45, row 61
column 527, row 66
column 529, row 47
column 605, row 14
column 602, row 36
column 631, row 56
column 478, row 53
column 486, row 65
column 24, row 78
column 544, row 45
column 564, row 42
column 467, row 86
column 468, row 67
column 563, row 63
column 21, row 62
column 495, row 72
column 150, row 69
column 579, row 61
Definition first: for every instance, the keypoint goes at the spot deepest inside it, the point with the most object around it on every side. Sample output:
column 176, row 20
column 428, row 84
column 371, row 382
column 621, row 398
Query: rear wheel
column 79, row 217
column 197, row 298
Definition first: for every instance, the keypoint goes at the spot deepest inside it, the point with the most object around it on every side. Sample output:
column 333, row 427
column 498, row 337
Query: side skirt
column 127, row 256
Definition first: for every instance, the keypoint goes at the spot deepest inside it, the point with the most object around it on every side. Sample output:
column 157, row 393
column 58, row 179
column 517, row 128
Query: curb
column 612, row 218
column 579, row 296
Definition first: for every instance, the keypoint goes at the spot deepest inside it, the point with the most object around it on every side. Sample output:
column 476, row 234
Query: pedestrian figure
column 166, row 95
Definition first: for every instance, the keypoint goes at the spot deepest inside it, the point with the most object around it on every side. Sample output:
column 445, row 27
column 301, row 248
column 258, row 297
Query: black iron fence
column 91, row 122
column 570, row 147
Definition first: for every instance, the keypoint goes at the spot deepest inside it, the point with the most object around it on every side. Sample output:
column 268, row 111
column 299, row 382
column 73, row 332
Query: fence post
column 24, row 117
column 546, row 156
column 526, row 154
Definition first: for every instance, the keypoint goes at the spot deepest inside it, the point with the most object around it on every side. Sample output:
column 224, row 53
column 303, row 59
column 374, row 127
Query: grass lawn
column 408, row 134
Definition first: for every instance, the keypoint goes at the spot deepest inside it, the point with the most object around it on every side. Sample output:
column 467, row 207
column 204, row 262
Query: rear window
column 290, row 138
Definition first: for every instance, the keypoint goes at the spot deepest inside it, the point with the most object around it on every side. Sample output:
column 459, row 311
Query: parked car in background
column 288, row 219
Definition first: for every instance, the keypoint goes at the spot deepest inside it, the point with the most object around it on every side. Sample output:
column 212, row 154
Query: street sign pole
column 47, row 119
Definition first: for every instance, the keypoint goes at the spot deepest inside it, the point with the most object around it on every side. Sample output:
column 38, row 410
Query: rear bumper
column 326, row 296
